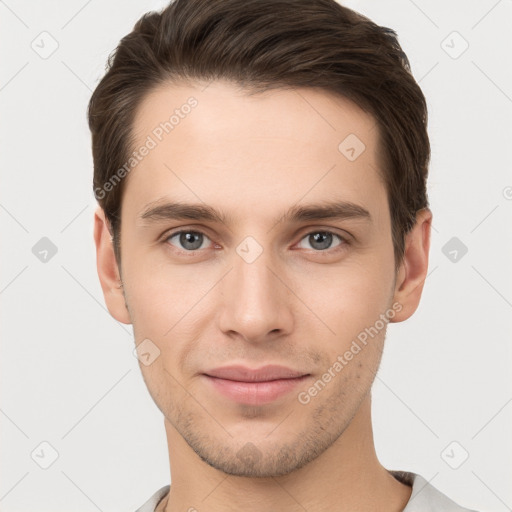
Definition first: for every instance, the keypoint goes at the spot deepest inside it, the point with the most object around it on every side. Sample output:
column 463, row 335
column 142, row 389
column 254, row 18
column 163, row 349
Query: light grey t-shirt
column 424, row 496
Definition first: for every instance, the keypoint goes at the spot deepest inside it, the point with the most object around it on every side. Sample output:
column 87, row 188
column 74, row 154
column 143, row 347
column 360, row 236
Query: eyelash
column 341, row 246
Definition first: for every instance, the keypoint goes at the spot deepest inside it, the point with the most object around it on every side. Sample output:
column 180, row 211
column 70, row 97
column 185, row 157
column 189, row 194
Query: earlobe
column 108, row 271
column 413, row 270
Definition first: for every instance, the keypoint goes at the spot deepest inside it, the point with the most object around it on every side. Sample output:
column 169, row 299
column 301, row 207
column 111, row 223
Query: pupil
column 191, row 238
column 317, row 237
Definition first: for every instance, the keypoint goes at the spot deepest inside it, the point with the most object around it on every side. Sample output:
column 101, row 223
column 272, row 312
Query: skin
column 298, row 304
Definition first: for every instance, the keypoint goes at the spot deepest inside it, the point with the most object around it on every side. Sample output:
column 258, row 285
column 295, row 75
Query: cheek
column 160, row 294
column 349, row 298
column 165, row 305
column 165, row 387
column 355, row 306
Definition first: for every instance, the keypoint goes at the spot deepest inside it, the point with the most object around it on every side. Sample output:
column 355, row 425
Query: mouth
column 254, row 387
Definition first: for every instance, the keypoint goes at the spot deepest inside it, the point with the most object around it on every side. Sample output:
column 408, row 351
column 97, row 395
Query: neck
column 345, row 477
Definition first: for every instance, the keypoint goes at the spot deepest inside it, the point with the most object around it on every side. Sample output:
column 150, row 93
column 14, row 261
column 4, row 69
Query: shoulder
column 152, row 503
column 425, row 497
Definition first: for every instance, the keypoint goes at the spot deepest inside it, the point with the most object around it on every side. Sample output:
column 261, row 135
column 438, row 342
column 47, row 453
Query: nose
column 257, row 305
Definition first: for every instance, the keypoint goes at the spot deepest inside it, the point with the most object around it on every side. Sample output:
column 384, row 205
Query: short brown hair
column 261, row 45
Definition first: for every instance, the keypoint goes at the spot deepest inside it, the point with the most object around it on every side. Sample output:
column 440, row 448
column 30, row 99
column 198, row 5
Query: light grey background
column 68, row 375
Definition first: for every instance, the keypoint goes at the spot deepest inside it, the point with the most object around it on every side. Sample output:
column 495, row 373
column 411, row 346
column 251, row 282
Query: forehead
column 262, row 152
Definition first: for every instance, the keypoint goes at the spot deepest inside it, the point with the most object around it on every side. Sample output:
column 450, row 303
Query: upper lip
column 263, row 374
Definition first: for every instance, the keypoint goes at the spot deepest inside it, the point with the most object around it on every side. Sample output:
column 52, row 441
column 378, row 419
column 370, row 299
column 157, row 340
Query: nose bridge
column 254, row 299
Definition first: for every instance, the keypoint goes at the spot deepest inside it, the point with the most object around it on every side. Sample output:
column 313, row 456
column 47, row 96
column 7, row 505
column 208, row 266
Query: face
column 276, row 279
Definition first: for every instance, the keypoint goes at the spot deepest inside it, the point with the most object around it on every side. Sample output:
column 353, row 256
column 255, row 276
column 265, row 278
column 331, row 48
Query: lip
column 254, row 386
column 244, row 374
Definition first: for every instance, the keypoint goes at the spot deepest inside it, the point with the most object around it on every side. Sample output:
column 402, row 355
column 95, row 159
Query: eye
column 192, row 241
column 322, row 240
column 189, row 241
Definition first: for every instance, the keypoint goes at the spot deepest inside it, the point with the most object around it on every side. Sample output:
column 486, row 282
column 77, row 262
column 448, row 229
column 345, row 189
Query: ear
column 413, row 270
column 108, row 270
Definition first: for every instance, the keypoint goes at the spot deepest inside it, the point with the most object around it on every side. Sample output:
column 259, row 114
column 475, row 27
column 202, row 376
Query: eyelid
column 183, row 229
column 345, row 235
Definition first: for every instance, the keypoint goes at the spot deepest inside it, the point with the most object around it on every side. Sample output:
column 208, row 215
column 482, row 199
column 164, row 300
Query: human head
column 262, row 139
column 261, row 45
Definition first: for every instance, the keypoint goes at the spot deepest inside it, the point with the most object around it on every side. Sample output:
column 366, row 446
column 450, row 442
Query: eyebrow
column 334, row 210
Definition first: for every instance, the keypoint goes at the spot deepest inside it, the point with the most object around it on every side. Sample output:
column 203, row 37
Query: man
column 261, row 167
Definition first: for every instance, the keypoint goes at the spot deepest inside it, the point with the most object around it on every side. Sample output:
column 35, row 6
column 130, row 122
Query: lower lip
column 255, row 393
